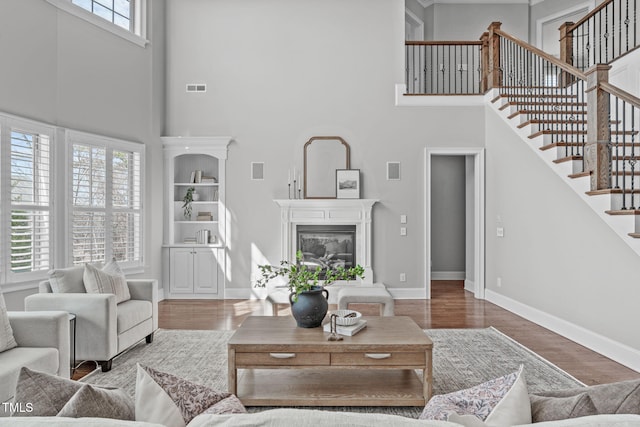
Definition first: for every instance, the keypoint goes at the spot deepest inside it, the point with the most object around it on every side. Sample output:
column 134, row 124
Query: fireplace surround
column 324, row 217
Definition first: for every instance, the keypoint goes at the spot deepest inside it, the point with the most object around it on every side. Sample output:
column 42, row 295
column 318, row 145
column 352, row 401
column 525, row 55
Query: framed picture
column 348, row 183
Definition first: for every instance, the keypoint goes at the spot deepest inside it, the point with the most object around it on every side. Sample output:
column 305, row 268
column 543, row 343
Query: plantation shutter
column 126, row 220
column 30, row 242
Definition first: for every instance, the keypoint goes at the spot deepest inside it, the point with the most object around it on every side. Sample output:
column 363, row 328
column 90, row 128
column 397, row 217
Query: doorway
column 473, row 216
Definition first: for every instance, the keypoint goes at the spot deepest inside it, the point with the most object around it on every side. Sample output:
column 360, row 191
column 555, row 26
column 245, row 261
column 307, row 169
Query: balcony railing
column 443, row 68
column 604, row 35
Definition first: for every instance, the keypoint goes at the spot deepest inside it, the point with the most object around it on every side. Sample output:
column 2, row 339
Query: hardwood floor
column 450, row 307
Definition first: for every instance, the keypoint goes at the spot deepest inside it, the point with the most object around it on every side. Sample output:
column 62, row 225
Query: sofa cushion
column 7, row 341
column 40, row 359
column 108, row 280
column 132, row 313
column 51, row 395
column 166, row 399
column 67, row 280
column 502, row 401
column 614, row 398
column 544, row 408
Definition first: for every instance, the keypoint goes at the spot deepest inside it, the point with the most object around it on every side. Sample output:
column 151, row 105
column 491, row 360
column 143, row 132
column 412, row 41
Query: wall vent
column 393, row 171
column 196, row 87
column 257, row 171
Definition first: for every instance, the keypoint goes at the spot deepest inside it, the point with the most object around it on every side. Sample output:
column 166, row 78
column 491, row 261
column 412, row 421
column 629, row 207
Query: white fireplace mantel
column 328, row 211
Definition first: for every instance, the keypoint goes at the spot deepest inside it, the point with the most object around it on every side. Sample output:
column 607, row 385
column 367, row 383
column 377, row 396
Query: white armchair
column 43, row 345
column 103, row 328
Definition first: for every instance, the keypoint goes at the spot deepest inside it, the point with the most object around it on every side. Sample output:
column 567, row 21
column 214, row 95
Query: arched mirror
column 323, row 155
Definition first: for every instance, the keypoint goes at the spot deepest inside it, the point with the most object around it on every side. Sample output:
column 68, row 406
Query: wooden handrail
column 589, row 15
column 620, row 94
column 562, row 65
column 445, row 43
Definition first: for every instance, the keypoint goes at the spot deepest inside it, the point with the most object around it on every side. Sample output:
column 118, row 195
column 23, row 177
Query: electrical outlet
column 403, row 231
column 403, row 219
column 403, row 277
column 499, row 282
column 500, row 232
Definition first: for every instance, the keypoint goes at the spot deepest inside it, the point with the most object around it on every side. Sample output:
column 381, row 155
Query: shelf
column 194, row 184
column 195, row 222
column 199, row 202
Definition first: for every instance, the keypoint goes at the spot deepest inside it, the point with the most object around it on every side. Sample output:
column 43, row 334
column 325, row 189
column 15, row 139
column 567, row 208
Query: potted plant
column 308, row 296
column 187, row 199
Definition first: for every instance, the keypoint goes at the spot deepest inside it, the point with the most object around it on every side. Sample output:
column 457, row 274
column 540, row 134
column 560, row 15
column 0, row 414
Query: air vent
column 257, row 171
column 393, row 171
column 196, row 87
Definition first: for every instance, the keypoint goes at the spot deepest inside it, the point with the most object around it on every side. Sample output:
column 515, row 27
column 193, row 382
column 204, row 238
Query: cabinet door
column 181, row 271
column 205, row 271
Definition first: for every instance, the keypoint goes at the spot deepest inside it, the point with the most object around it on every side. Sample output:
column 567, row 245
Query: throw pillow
column 545, row 408
column 168, row 400
column 502, row 401
column 615, row 398
column 7, row 341
column 92, row 401
column 50, row 395
column 109, row 280
column 67, row 280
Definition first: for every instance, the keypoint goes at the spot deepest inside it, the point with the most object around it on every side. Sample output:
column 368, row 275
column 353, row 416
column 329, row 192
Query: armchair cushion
column 67, row 280
column 109, row 280
column 7, row 341
column 132, row 313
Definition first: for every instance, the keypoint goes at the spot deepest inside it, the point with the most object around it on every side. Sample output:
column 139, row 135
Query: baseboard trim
column 470, row 286
column 448, row 275
column 240, row 293
column 614, row 350
column 407, row 293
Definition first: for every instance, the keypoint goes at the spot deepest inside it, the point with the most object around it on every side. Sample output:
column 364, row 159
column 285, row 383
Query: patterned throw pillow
column 7, row 341
column 109, row 280
column 50, row 395
column 499, row 402
column 171, row 401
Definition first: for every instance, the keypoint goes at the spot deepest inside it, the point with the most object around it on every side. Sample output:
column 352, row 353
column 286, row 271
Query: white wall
column 468, row 21
column 279, row 72
column 556, row 255
column 64, row 71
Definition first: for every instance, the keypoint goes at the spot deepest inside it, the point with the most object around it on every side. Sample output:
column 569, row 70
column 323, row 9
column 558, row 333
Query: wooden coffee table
column 274, row 363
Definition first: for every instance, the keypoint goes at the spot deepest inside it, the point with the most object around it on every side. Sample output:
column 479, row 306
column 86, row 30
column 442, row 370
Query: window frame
column 8, row 123
column 137, row 35
column 111, row 145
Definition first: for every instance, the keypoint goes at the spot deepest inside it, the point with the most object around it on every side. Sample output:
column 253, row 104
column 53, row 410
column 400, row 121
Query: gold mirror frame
column 310, row 166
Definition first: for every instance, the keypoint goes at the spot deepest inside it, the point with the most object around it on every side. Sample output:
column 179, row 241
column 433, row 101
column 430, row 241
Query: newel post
column 484, row 60
column 566, row 52
column 494, row 78
column 596, row 151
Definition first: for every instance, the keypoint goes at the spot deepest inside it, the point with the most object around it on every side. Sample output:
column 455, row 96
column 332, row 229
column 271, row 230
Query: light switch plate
column 403, row 231
column 403, row 219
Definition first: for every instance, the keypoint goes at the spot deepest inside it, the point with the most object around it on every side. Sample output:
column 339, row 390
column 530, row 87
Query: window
column 124, row 18
column 26, row 207
column 118, row 12
column 106, row 206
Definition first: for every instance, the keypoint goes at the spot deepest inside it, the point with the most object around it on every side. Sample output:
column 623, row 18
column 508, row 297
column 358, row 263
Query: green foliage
column 301, row 278
column 188, row 198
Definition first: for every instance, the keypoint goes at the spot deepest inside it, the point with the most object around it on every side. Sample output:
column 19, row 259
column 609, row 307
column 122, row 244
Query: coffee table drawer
column 282, row 359
column 378, row 359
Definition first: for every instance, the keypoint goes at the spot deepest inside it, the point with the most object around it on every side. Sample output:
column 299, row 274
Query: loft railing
column 443, row 68
column 605, row 34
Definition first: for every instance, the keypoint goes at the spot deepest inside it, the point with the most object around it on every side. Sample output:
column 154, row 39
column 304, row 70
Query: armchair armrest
column 146, row 289
column 96, row 320
column 44, row 329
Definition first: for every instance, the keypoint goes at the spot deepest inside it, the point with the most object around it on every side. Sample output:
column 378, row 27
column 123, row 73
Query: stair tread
column 635, row 235
column 612, row 191
column 560, row 144
column 567, row 159
column 545, row 112
column 576, row 132
column 527, row 104
column 579, row 175
column 623, row 212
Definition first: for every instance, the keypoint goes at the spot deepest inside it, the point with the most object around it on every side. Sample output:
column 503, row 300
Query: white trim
column 430, row 2
column 589, row 5
column 140, row 21
column 417, row 24
column 436, row 100
column 448, row 275
column 406, row 293
column 426, row 3
column 614, row 350
column 469, row 285
column 478, row 217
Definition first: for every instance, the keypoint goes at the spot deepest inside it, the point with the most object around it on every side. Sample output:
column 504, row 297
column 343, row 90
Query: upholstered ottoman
column 366, row 295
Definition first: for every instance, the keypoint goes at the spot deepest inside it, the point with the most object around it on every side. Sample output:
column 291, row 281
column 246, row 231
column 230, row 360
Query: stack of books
column 189, row 240
column 204, row 216
column 209, row 179
column 347, row 330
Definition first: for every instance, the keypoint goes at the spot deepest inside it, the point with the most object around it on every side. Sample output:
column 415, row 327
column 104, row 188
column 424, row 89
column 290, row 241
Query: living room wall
column 279, row 72
column 557, row 261
column 64, row 71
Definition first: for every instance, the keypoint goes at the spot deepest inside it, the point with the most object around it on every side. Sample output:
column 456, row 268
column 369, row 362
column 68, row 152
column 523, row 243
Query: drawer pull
column 282, row 355
column 377, row 355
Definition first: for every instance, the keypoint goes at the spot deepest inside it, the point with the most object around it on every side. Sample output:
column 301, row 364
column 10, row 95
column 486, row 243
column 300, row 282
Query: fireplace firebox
column 327, row 246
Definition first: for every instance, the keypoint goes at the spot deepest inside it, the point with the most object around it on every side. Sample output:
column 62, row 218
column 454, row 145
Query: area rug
column 462, row 358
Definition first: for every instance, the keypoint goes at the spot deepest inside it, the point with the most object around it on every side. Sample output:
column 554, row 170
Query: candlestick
column 289, row 179
column 289, row 190
column 294, row 187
